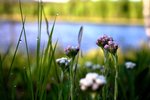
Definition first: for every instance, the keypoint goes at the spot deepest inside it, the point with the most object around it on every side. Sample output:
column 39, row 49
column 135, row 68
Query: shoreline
column 75, row 19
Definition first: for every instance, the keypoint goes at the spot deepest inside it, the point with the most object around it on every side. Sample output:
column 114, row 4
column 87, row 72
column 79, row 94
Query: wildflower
column 71, row 51
column 92, row 82
column 92, row 66
column 102, row 41
column 85, row 82
column 96, row 66
column 102, row 69
column 107, row 43
column 130, row 65
column 101, row 80
column 111, row 47
column 88, row 64
column 91, row 76
column 63, row 63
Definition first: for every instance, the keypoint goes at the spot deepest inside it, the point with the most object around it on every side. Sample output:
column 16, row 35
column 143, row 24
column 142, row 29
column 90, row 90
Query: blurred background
column 122, row 19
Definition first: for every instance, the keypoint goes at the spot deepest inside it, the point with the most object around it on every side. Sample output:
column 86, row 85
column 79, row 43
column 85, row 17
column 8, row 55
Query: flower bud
column 63, row 63
column 107, row 43
column 102, row 41
column 71, row 51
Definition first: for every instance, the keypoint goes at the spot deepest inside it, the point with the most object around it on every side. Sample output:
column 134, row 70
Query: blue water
column 67, row 33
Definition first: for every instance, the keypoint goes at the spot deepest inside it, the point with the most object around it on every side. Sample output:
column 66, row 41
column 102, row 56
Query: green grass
column 133, row 83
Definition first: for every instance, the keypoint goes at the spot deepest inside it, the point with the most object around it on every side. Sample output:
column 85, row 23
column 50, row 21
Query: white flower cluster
column 92, row 66
column 63, row 62
column 96, row 66
column 88, row 64
column 92, row 81
column 130, row 65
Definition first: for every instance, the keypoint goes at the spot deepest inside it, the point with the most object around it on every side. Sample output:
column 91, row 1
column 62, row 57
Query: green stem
column 2, row 83
column 61, row 86
column 93, row 96
column 116, row 76
column 132, row 86
column 71, row 79
column 106, row 59
column 60, row 95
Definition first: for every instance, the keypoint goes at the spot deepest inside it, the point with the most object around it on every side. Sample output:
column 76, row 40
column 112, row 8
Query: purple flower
column 111, row 47
column 110, row 42
column 106, row 47
column 107, row 43
column 102, row 41
column 71, row 51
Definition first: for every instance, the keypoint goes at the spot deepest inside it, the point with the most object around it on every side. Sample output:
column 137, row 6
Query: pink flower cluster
column 107, row 43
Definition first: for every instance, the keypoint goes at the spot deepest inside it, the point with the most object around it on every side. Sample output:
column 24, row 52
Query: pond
column 66, row 33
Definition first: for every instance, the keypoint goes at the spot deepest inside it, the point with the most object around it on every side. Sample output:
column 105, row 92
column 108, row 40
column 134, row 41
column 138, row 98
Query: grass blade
column 80, row 35
column 27, row 50
column 16, row 49
column 79, row 43
column 2, row 85
column 39, row 33
column 47, row 25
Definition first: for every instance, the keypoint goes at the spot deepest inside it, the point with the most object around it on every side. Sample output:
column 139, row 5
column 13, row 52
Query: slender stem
column 132, row 86
column 2, row 83
column 116, row 76
column 60, row 95
column 61, row 87
column 15, row 53
column 71, row 79
column 38, row 63
column 93, row 96
column 106, row 57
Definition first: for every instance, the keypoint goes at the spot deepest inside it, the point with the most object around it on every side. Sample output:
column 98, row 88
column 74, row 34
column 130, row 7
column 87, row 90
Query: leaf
column 80, row 35
column 80, row 38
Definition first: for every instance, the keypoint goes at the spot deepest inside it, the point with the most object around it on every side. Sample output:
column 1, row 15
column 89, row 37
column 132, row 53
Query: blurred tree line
column 85, row 8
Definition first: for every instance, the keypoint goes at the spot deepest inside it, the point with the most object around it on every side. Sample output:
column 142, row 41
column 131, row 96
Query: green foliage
column 102, row 9
column 133, row 83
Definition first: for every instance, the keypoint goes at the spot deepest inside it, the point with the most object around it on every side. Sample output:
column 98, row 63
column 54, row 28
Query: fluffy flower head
column 92, row 82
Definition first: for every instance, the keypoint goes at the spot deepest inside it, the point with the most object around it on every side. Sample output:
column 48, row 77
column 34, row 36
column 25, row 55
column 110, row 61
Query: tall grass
column 27, row 51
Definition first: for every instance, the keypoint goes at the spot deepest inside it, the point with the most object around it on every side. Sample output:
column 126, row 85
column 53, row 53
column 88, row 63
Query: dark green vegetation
column 133, row 84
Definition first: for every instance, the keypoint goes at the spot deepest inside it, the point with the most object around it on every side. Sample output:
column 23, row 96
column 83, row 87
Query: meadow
column 54, row 73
